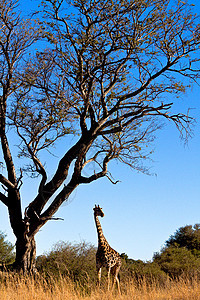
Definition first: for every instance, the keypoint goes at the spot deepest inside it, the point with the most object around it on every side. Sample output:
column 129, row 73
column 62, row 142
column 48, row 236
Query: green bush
column 176, row 261
column 65, row 259
column 180, row 256
column 138, row 270
column 7, row 255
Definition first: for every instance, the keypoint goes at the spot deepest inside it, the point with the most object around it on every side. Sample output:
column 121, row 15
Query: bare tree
column 108, row 76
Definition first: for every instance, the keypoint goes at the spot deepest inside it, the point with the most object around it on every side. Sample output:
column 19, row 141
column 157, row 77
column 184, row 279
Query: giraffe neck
column 101, row 237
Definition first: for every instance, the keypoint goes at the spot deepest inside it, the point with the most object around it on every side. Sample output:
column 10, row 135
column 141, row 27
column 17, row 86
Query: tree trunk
column 25, row 255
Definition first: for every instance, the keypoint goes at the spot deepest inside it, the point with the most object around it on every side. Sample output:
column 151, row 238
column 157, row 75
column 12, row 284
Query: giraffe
column 106, row 256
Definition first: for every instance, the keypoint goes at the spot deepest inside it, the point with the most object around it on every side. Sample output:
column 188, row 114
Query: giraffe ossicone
column 106, row 256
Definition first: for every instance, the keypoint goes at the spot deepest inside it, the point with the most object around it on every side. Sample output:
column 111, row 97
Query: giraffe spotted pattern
column 106, row 256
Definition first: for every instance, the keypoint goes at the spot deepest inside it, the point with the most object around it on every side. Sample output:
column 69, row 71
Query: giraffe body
column 106, row 256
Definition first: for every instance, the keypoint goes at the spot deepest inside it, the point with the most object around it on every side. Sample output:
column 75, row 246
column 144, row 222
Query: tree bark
column 25, row 255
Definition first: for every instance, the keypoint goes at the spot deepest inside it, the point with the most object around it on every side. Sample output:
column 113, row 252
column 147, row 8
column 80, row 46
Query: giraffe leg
column 108, row 279
column 115, row 272
column 117, row 280
column 99, row 276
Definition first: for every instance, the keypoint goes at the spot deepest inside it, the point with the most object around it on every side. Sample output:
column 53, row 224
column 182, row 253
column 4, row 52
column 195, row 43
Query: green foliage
column 181, row 253
column 139, row 269
column 188, row 237
column 75, row 261
column 180, row 257
column 6, row 250
column 176, row 261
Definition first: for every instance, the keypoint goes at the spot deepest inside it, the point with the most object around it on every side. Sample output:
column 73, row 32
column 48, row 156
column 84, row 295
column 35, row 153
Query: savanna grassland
column 15, row 287
column 68, row 271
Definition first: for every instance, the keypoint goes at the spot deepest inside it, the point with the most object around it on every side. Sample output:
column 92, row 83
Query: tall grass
column 16, row 287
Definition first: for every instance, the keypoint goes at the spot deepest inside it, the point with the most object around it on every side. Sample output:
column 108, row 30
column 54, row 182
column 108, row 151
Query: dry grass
column 19, row 288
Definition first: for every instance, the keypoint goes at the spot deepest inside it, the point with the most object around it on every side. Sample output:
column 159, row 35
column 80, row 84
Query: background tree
column 110, row 71
column 186, row 237
column 177, row 262
column 7, row 255
column 181, row 254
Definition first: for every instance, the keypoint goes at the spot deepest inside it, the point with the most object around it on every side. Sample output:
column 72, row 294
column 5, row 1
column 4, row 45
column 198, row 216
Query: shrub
column 65, row 259
column 139, row 270
column 176, row 261
column 7, row 255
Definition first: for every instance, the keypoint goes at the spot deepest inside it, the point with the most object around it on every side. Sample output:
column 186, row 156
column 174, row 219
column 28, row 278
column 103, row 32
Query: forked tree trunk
column 25, row 255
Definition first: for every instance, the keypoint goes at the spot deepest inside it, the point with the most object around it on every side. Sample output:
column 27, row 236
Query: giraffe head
column 98, row 211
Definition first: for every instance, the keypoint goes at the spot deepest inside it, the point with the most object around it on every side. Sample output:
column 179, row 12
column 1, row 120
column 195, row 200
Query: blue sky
column 141, row 211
